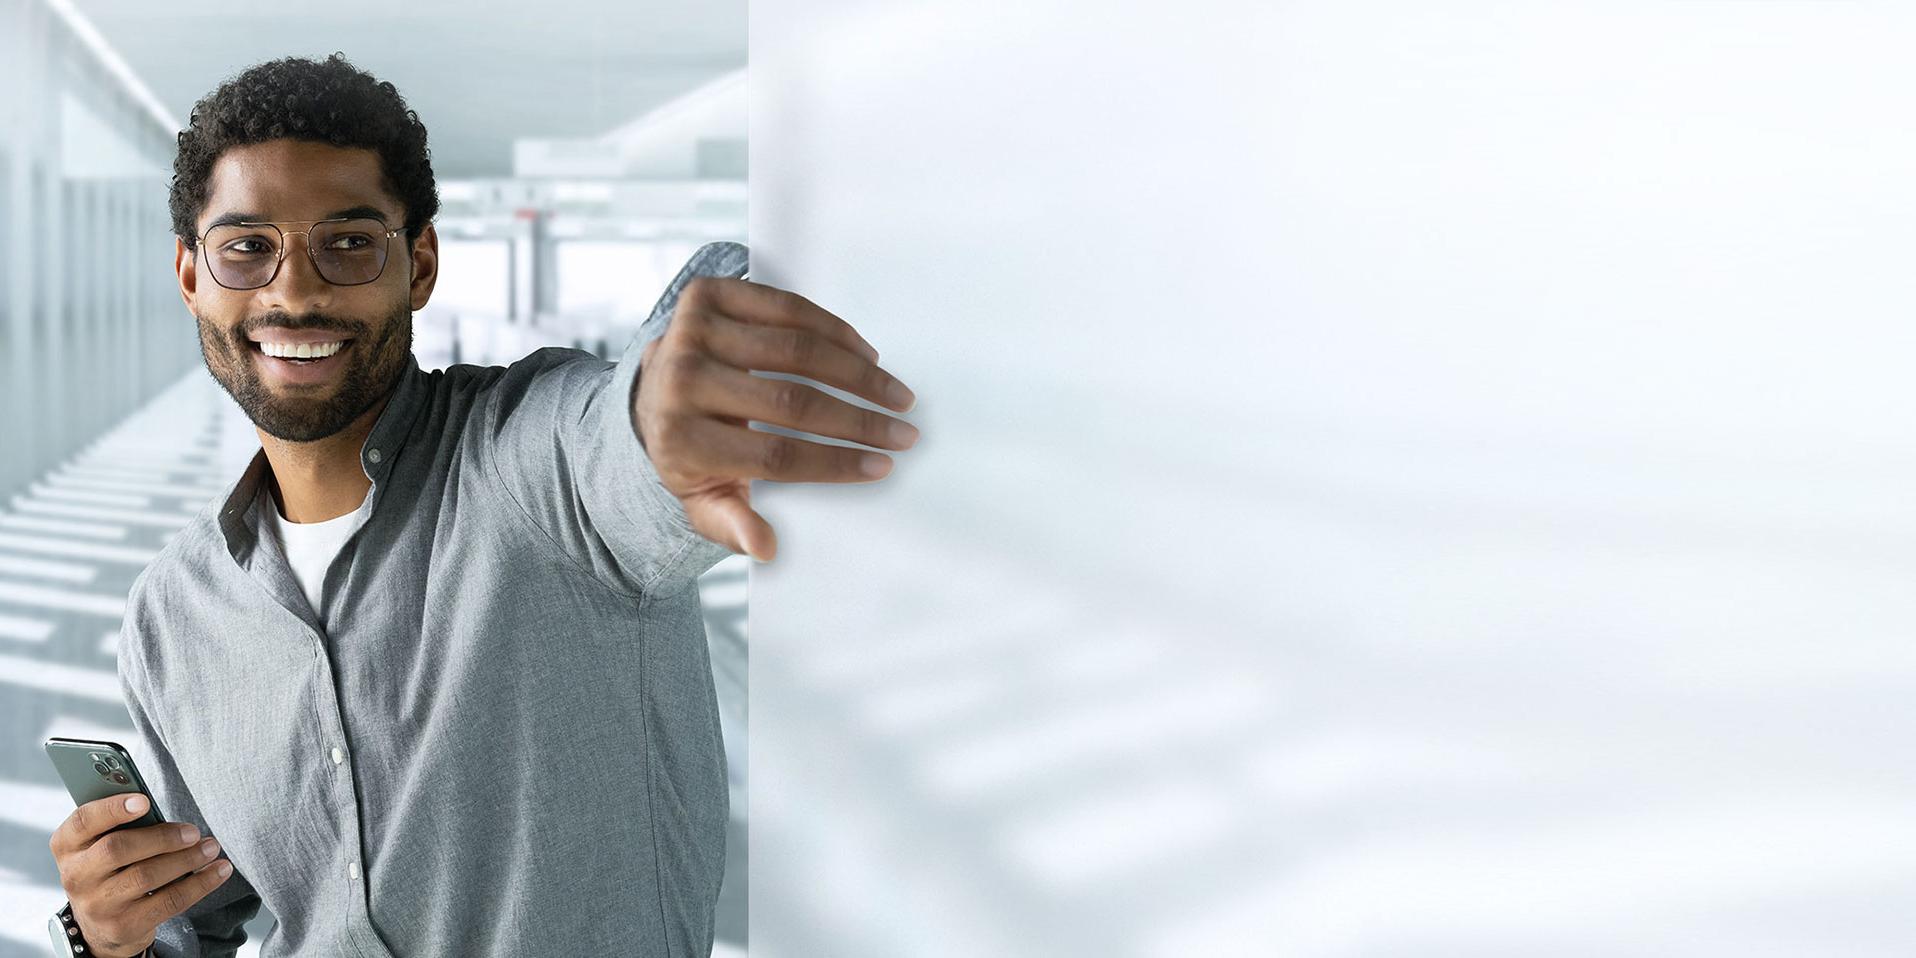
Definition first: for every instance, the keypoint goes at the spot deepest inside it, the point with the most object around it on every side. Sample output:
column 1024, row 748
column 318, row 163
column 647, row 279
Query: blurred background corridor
column 581, row 157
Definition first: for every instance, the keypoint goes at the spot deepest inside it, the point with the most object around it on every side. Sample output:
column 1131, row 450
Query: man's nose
column 298, row 288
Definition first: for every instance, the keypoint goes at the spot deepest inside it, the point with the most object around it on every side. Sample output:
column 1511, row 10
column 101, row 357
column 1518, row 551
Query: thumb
column 731, row 522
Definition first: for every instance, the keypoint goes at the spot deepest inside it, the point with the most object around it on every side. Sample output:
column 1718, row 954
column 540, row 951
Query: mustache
column 281, row 319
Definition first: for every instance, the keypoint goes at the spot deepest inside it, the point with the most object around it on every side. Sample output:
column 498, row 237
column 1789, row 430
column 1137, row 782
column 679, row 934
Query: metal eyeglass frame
column 280, row 260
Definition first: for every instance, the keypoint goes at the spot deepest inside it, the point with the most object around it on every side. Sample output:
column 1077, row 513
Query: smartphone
column 93, row 770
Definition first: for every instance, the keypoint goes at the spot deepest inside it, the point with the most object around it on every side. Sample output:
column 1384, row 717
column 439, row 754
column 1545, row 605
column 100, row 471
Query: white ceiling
column 479, row 75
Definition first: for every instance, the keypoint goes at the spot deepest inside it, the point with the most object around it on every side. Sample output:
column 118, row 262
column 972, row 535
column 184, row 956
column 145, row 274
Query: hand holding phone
column 124, row 875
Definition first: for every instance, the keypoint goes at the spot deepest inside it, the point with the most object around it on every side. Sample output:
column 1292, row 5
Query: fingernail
column 903, row 433
column 136, row 804
column 188, row 834
column 209, row 848
column 874, row 465
column 225, row 868
column 897, row 394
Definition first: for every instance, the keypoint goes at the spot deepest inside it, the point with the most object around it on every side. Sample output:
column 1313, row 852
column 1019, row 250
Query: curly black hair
column 328, row 101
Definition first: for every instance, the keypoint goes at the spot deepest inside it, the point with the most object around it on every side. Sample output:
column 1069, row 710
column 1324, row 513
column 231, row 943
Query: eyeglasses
column 345, row 252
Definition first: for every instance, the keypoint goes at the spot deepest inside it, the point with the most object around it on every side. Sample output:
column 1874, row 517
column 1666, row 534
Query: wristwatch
column 66, row 936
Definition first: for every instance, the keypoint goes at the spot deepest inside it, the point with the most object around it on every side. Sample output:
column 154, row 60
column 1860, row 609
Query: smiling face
column 304, row 357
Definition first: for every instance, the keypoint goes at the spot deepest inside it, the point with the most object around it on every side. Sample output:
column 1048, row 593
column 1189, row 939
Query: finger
column 122, row 848
column 731, row 520
column 803, row 353
column 758, row 303
column 96, row 818
column 177, row 897
column 150, row 874
column 732, row 392
column 735, row 451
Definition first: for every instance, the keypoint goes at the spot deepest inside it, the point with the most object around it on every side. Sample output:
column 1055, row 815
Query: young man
column 434, row 673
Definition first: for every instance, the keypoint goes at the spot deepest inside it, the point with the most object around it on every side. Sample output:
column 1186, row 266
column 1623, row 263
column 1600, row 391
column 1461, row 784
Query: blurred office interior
column 581, row 156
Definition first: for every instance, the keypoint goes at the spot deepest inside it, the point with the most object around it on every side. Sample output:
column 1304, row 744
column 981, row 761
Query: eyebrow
column 233, row 218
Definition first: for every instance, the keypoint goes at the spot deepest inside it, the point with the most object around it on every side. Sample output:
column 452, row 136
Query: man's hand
column 697, row 394
column 124, row 884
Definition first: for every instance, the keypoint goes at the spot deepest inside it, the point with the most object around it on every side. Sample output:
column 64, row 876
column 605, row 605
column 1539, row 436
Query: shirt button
column 338, row 756
column 372, row 454
column 352, row 870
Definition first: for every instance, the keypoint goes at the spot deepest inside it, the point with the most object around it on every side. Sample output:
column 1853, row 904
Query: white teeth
column 301, row 350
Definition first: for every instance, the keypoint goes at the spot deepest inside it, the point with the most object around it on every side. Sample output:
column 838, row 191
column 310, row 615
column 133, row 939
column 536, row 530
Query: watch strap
column 66, row 936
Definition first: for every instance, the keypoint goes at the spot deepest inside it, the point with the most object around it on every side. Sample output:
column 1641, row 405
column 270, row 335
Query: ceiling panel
column 478, row 75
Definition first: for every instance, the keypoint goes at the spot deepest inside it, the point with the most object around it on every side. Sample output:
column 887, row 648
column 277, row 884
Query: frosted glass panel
column 1398, row 479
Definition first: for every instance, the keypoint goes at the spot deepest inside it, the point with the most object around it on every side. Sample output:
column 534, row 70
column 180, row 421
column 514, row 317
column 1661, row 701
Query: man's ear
column 185, row 265
column 425, row 266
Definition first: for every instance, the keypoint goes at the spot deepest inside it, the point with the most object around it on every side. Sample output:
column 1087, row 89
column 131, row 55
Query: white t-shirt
column 311, row 546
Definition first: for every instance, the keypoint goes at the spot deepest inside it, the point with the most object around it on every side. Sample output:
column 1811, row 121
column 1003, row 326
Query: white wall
column 1398, row 479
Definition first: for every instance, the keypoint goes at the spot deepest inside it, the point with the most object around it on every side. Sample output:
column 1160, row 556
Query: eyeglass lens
column 346, row 252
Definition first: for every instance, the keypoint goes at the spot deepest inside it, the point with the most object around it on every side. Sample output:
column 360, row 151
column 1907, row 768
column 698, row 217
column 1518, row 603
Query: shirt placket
column 359, row 929
column 336, row 754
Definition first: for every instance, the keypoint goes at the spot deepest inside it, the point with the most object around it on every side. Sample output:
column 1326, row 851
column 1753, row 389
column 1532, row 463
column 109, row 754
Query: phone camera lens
column 121, row 778
column 101, row 768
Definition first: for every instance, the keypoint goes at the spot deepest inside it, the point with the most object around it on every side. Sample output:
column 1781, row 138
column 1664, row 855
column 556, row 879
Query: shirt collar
column 240, row 513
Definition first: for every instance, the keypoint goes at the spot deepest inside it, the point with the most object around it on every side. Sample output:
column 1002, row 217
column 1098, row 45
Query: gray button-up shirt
column 500, row 735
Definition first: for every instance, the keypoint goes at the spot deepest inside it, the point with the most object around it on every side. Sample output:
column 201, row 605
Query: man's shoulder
column 185, row 560
column 173, row 584
column 549, row 361
column 547, row 365
column 549, row 376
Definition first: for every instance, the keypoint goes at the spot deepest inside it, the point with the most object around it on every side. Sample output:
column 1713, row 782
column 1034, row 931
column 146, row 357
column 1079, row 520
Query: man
column 433, row 675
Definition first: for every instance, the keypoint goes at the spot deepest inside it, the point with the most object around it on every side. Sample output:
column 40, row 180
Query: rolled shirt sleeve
column 562, row 441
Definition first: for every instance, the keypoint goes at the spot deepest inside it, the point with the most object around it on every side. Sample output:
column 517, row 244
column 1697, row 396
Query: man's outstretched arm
column 641, row 469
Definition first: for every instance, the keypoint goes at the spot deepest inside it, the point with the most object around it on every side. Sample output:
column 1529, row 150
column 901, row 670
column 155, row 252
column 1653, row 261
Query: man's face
column 292, row 182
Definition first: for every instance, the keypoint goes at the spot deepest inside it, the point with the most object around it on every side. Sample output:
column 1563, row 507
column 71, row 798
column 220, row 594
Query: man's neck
column 323, row 479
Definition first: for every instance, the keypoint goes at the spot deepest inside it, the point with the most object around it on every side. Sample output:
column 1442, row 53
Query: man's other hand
column 697, row 396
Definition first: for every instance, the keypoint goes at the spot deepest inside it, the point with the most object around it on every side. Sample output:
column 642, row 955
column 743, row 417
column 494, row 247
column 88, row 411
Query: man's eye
column 350, row 241
column 248, row 246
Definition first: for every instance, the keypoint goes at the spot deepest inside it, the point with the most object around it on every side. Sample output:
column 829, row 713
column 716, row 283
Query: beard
column 371, row 368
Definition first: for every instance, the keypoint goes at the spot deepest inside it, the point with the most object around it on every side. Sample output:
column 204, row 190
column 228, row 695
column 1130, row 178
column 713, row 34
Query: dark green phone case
column 93, row 770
